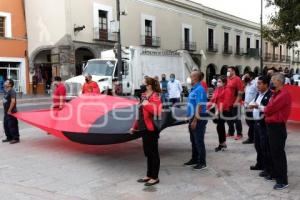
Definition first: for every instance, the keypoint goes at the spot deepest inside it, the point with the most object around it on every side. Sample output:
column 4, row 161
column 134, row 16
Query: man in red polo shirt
column 235, row 89
column 276, row 116
column 59, row 94
column 90, row 86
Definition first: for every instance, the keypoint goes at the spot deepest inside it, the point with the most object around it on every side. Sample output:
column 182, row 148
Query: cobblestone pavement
column 43, row 167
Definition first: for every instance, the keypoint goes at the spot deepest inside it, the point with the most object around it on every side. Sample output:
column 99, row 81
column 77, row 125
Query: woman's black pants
column 150, row 145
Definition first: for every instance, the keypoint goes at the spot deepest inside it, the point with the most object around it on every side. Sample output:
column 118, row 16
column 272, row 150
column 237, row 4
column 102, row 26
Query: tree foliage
column 284, row 25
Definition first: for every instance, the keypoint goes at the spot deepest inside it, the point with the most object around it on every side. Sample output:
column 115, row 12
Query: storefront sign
column 159, row 52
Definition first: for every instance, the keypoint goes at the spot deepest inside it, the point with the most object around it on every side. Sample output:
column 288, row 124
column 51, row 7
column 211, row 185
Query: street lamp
column 119, row 48
column 261, row 39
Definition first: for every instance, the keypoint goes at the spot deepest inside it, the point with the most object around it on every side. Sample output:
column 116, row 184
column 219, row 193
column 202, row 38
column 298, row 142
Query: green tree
column 284, row 25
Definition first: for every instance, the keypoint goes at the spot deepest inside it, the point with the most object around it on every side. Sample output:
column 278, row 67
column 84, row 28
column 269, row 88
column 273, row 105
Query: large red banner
column 295, row 111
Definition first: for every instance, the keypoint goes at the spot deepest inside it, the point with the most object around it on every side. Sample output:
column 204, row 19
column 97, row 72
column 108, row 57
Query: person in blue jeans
column 196, row 111
column 164, row 88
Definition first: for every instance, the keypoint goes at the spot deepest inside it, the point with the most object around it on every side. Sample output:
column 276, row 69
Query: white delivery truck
column 137, row 62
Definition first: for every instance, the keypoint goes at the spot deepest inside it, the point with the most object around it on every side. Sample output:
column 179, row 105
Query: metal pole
column 261, row 39
column 119, row 50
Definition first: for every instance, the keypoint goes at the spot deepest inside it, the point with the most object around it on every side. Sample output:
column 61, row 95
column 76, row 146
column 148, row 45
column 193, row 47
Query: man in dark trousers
column 164, row 88
column 277, row 113
column 11, row 126
column 261, row 140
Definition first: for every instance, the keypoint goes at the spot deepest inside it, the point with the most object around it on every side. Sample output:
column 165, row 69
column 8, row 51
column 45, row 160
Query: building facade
column 278, row 57
column 64, row 34
column 13, row 44
column 295, row 57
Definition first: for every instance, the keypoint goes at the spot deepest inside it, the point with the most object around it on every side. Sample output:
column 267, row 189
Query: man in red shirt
column 90, row 86
column 59, row 94
column 276, row 116
column 235, row 92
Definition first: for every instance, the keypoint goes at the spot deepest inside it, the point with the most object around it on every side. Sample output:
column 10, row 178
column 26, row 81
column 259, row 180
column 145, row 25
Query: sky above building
column 247, row 9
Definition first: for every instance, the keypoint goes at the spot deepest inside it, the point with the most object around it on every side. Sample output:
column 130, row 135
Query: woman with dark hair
column 150, row 108
column 219, row 106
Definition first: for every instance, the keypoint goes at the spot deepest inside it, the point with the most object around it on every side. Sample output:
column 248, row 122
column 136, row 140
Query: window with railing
column 267, row 57
column 226, row 42
column 257, row 44
column 103, row 26
column 212, row 48
column 2, row 26
column 189, row 46
column 210, row 38
column 238, row 45
column 248, row 44
column 227, row 50
column 148, row 41
column 148, row 32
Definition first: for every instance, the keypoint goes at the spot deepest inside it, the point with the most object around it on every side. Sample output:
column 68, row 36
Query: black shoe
column 14, row 141
column 142, row 180
column 221, row 148
column 191, row 162
column 280, row 186
column 151, row 184
column 248, row 142
column 263, row 174
column 199, row 167
column 6, row 140
column 269, row 178
column 256, row 168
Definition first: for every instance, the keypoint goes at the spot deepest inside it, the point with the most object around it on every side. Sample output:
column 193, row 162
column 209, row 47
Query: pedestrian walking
column 197, row 101
column 11, row 126
column 277, row 113
column 164, row 88
column 150, row 108
column 174, row 90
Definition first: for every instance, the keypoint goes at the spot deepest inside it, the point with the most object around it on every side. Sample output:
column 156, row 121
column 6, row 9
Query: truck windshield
column 100, row 68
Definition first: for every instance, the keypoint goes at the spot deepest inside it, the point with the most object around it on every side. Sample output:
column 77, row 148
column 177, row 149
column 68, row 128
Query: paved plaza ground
column 43, row 167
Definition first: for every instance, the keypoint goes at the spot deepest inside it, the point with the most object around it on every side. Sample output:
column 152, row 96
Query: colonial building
column 295, row 52
column 13, row 44
column 278, row 56
column 64, row 34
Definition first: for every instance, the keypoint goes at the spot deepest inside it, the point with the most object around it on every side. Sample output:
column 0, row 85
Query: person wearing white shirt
column 174, row 90
column 250, row 94
column 261, row 139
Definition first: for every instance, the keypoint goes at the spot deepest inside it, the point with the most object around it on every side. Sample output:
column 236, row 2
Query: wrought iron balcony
column 282, row 58
column 296, row 60
column 189, row 46
column 227, row 50
column 105, row 35
column 150, row 41
column 288, row 59
column 212, row 48
column 253, row 53
column 275, row 57
column 239, row 51
column 267, row 57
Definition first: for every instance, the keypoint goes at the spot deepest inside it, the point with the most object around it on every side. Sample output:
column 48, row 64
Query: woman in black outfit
column 150, row 108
